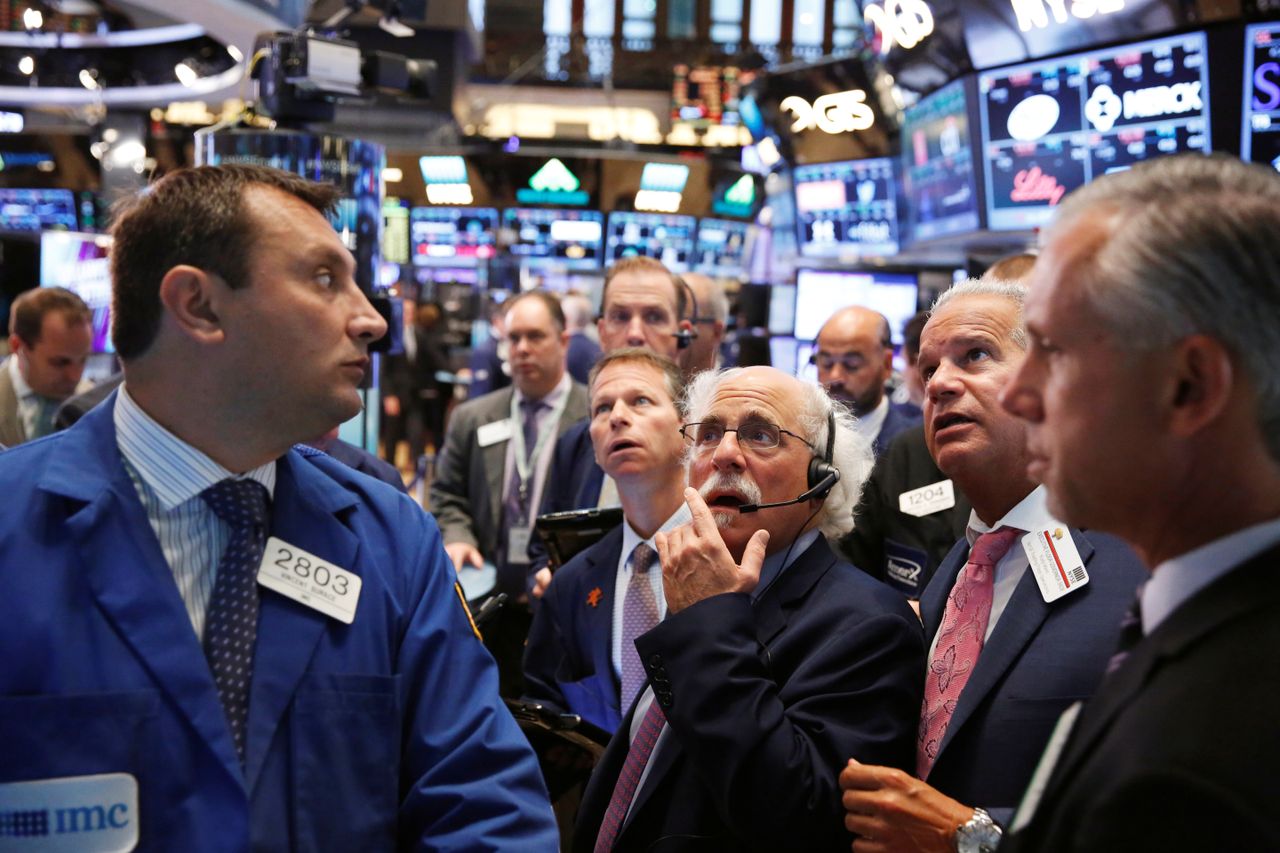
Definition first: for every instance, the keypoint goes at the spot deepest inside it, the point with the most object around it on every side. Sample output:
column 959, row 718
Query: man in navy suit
column 580, row 642
column 1009, row 648
column 1153, row 316
column 776, row 660
column 643, row 305
column 855, row 359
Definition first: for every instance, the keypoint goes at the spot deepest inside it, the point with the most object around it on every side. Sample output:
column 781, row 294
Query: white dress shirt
column 169, row 476
column 630, row 539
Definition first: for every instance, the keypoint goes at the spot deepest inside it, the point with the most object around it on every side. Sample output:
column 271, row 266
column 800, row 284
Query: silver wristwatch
column 980, row 834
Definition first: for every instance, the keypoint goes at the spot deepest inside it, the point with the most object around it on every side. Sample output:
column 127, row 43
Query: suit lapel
column 311, row 517
column 11, row 431
column 494, row 457
column 603, row 574
column 933, row 601
column 129, row 578
column 1021, row 619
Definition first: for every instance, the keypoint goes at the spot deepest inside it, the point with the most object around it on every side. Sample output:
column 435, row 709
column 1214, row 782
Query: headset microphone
column 684, row 338
column 823, row 475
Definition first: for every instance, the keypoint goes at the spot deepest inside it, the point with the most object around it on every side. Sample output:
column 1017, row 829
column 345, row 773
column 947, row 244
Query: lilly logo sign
column 1034, row 14
column 839, row 112
column 1105, row 107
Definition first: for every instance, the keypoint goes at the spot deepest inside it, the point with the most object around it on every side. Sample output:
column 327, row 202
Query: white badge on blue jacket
column 309, row 580
column 929, row 499
column 85, row 814
column 1054, row 561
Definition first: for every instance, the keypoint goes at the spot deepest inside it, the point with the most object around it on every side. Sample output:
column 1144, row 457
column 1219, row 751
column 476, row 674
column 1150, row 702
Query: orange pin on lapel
column 593, row 597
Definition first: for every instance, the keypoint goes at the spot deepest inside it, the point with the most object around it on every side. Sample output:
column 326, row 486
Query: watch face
column 979, row 835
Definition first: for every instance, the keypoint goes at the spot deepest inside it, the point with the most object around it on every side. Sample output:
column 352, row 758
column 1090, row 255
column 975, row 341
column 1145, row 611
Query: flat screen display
column 847, row 208
column 568, row 238
column 37, row 210
column 668, row 238
column 939, row 180
column 1260, row 136
column 79, row 263
column 783, row 352
column 395, row 232
column 820, row 293
column 1050, row 127
column 721, row 247
column 782, row 309
column 448, row 236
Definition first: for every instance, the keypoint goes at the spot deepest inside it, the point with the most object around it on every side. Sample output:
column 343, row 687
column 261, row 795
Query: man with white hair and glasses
column 775, row 658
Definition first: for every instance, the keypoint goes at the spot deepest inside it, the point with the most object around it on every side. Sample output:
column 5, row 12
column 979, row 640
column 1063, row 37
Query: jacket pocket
column 345, row 744
column 46, row 737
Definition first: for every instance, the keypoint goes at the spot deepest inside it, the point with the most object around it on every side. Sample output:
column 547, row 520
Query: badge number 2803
column 309, row 580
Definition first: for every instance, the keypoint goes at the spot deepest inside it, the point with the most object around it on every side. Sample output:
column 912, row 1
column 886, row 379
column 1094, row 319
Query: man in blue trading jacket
column 1010, row 646
column 775, row 657
column 581, row 655
column 173, row 676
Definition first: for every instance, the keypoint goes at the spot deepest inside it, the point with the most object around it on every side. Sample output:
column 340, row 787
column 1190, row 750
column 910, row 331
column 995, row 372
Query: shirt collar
column 774, row 565
column 173, row 469
column 1174, row 581
column 21, row 389
column 553, row 396
column 630, row 539
column 1029, row 514
column 869, row 424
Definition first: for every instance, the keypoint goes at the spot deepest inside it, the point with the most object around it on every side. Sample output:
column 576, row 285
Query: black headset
column 823, row 474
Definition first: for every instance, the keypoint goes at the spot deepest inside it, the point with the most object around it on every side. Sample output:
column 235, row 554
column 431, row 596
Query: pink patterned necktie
column 960, row 638
column 624, row 790
column 639, row 615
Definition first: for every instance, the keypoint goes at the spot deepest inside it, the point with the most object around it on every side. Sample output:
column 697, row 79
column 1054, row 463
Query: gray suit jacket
column 11, row 430
column 466, row 495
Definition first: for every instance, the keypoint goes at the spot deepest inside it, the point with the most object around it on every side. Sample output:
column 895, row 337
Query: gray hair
column 1014, row 291
column 850, row 454
column 1194, row 248
column 712, row 303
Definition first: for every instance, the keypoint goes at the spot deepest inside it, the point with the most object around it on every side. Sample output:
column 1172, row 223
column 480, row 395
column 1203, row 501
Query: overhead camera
column 302, row 76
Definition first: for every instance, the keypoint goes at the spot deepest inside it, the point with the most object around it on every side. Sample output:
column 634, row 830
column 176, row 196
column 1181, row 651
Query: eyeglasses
column 753, row 435
column 849, row 361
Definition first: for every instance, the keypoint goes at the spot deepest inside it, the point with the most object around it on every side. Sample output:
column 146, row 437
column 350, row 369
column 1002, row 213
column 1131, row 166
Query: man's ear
column 190, row 297
column 1201, row 385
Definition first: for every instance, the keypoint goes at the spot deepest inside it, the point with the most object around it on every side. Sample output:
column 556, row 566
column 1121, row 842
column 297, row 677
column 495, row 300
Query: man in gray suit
column 494, row 465
column 50, row 337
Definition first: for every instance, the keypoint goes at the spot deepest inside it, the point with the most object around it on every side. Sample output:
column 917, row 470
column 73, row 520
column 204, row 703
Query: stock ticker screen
column 941, row 185
column 1260, row 134
column 452, row 235
column 1049, row 127
column 665, row 237
column 848, row 208
column 573, row 239
column 37, row 210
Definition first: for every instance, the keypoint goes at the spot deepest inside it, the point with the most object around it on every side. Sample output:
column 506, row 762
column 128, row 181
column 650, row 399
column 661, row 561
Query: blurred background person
column 50, row 338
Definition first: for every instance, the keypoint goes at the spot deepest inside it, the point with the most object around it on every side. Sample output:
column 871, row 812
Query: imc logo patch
column 87, row 814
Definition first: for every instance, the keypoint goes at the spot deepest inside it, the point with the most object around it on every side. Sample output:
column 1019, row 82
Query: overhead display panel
column 664, row 237
column 999, row 32
column 1050, row 127
column 37, row 210
column 847, row 209
column 821, row 293
column 448, row 236
column 1260, row 134
column 572, row 239
column 721, row 247
column 940, row 183
column 79, row 262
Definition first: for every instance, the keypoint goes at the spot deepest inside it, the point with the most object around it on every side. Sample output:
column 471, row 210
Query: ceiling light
column 186, row 75
column 32, row 19
column 234, row 53
column 393, row 175
column 27, row 65
column 88, row 79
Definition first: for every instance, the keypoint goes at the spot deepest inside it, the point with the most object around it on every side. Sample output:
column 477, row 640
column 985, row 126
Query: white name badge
column 929, row 499
column 85, row 814
column 309, row 580
column 1054, row 561
column 493, row 433
column 518, row 545
column 1048, row 760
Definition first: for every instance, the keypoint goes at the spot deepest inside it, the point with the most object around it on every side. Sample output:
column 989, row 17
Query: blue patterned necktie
column 231, row 621
column 1130, row 633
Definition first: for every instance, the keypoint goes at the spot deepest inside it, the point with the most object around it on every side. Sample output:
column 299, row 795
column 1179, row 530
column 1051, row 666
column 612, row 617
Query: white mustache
column 721, row 482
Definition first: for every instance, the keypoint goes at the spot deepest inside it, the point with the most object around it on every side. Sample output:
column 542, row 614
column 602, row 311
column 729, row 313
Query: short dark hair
column 911, row 334
column 669, row 369
column 194, row 217
column 642, row 264
column 26, row 316
column 548, row 299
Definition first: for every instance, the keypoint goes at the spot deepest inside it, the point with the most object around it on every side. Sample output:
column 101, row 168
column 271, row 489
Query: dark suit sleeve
column 451, row 489
column 557, row 494
column 864, row 546
column 544, row 652
column 770, row 754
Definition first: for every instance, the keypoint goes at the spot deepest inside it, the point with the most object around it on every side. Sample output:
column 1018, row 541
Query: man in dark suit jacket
column 574, row 660
column 775, row 658
column 1153, row 314
column 854, row 358
column 996, row 684
column 643, row 305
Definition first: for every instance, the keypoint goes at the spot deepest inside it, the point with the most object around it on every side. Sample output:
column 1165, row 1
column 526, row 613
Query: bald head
column 711, row 313
column 855, row 357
